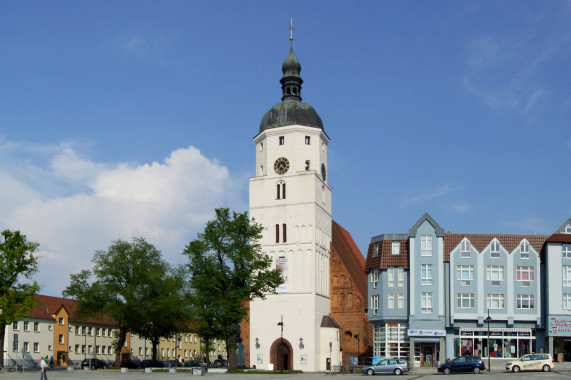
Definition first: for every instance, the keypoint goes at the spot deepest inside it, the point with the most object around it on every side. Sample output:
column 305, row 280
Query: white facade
column 295, row 209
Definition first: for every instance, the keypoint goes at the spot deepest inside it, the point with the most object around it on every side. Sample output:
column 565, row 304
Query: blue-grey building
column 436, row 295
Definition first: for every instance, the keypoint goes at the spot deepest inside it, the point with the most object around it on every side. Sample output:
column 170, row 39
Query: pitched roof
column 480, row 241
column 385, row 258
column 559, row 238
column 350, row 255
column 48, row 305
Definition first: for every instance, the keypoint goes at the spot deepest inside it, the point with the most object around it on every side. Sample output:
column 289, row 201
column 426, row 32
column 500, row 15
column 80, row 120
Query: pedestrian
column 44, row 368
column 52, row 362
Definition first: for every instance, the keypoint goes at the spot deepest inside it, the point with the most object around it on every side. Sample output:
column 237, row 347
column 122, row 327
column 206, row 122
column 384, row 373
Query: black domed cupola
column 291, row 110
column 291, row 81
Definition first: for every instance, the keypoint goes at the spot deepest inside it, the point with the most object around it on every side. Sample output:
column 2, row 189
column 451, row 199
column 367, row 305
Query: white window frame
column 425, row 274
column 36, row 347
column 426, row 303
column 395, row 248
column 566, row 275
column 36, row 326
column 521, row 270
column 26, row 326
column 374, row 277
column 566, row 251
column 61, row 339
column 426, row 245
column 496, row 301
column 461, row 298
column 495, row 273
column 465, row 249
column 391, row 277
column 521, row 298
column 400, row 301
column 462, row 269
column 61, row 321
column 391, row 300
column 375, row 303
column 495, row 249
column 524, row 250
column 400, row 277
column 567, row 301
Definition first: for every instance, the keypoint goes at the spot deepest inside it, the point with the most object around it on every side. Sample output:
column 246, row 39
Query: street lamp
column 281, row 324
column 358, row 347
column 488, row 319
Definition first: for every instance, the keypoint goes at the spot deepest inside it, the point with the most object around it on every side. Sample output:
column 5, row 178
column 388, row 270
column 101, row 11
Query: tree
column 227, row 268
column 132, row 285
column 17, row 262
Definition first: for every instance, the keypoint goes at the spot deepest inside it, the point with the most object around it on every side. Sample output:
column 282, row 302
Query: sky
column 122, row 119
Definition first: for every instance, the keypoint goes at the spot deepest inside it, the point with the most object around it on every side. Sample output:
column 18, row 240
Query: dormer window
column 396, row 248
column 465, row 249
column 524, row 250
column 495, row 249
column 567, row 229
column 376, row 250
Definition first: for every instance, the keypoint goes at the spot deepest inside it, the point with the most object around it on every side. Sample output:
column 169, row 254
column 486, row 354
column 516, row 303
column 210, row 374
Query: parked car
column 173, row 363
column 93, row 363
column 387, row 365
column 127, row 363
column 532, row 362
column 191, row 363
column 463, row 364
column 220, row 363
column 148, row 363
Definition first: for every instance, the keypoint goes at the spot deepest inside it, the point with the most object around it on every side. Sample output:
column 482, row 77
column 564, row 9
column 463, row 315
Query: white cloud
column 91, row 204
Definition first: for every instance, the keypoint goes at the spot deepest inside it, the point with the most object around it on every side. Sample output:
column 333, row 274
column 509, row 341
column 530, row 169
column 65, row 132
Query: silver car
column 387, row 365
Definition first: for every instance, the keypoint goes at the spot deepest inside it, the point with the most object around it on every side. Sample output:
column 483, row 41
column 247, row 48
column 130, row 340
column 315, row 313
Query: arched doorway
column 281, row 354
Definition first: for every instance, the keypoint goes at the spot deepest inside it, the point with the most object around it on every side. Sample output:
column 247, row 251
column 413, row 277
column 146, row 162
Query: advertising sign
column 559, row 325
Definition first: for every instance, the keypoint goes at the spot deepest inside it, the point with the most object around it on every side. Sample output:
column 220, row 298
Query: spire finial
column 291, row 29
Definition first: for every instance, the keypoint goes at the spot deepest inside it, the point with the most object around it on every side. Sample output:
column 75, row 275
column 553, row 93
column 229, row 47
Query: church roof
column 350, row 256
column 291, row 111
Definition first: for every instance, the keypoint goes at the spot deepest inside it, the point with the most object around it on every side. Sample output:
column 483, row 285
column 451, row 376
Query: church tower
column 290, row 197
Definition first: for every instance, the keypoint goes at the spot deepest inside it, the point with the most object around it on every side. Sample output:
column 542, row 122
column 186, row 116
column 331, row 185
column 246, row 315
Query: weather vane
column 291, row 29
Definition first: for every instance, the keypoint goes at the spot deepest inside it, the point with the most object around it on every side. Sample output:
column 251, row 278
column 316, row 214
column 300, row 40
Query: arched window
column 284, row 237
column 281, row 190
column 277, row 233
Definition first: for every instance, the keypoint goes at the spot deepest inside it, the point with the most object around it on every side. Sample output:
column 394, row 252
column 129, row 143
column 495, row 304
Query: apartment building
column 436, row 295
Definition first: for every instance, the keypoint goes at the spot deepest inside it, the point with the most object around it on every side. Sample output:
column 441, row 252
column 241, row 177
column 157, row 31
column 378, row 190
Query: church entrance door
column 281, row 354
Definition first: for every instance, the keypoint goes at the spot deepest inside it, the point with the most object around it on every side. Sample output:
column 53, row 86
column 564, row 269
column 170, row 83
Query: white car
column 532, row 362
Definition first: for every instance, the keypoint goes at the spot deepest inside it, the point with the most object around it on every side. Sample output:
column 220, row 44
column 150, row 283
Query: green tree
column 132, row 284
column 227, row 268
column 17, row 262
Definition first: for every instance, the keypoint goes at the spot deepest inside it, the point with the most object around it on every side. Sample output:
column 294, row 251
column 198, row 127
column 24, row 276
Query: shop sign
column 414, row 332
column 559, row 325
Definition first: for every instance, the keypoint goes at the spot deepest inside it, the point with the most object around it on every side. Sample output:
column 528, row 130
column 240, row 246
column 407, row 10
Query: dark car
column 387, row 365
column 220, row 363
column 127, row 363
column 173, row 363
column 93, row 363
column 463, row 364
column 191, row 363
column 149, row 363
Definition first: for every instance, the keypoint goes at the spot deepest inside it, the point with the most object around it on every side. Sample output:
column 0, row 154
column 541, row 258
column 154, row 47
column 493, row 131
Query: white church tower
column 290, row 197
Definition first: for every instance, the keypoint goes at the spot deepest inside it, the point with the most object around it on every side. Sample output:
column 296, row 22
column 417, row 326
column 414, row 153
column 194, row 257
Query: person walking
column 44, row 368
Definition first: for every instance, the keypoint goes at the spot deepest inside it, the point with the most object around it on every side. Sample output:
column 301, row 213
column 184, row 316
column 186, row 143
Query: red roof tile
column 479, row 241
column 350, row 255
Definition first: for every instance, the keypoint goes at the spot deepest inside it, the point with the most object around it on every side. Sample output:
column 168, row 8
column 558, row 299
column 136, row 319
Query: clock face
column 281, row 166
column 323, row 172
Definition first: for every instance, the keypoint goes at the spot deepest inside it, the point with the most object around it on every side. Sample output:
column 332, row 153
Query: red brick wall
column 348, row 307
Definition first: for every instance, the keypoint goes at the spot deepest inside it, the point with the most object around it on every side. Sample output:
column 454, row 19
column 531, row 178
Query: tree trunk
column 231, row 349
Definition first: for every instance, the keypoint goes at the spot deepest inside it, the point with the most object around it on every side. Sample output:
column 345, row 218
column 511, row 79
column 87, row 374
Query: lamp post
column 281, row 324
column 488, row 319
column 358, row 347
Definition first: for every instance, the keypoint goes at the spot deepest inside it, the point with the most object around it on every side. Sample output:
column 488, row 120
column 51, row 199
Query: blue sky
column 136, row 118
